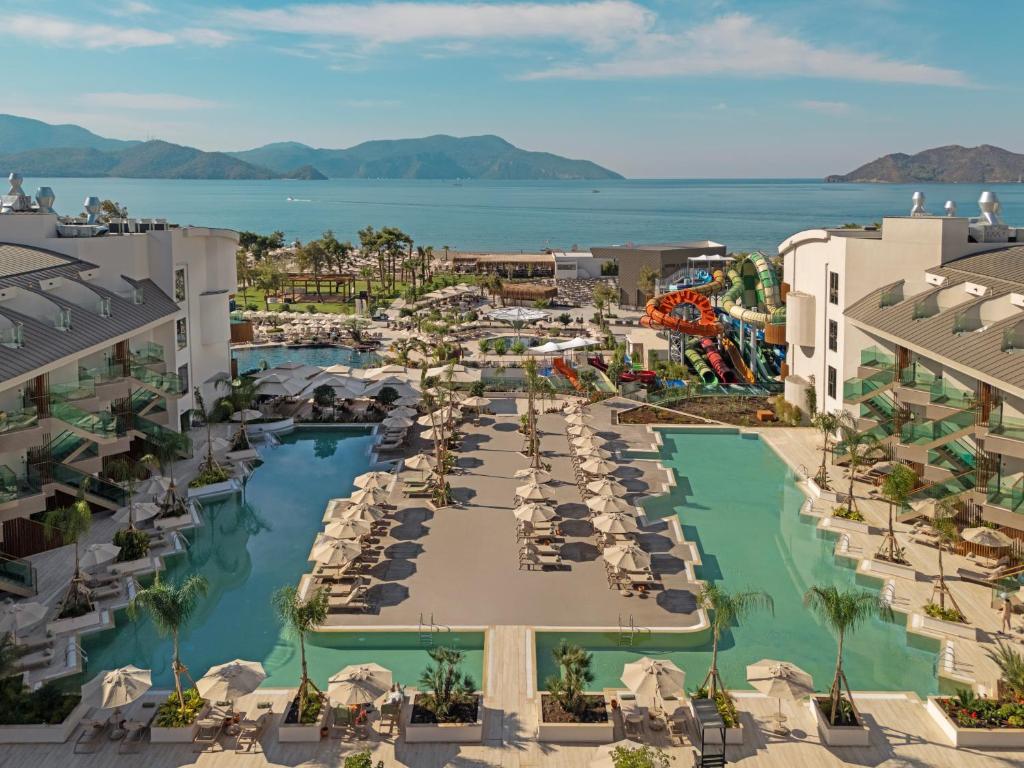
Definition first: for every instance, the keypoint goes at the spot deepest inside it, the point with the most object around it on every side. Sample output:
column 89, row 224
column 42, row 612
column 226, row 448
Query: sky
column 649, row 88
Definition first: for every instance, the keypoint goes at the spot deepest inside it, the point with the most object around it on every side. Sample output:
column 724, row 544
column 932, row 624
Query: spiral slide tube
column 752, row 316
column 717, row 363
column 659, row 314
column 737, row 360
column 567, row 370
column 700, row 367
column 716, row 284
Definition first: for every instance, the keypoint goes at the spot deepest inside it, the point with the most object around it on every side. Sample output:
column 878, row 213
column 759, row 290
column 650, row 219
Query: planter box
column 185, row 734
column 225, row 488
column 833, row 523
column 247, row 455
column 939, row 626
column 449, row 733
column 977, row 738
column 732, row 735
column 45, row 734
column 293, row 732
column 839, row 735
column 280, row 425
column 89, row 621
column 573, row 733
column 883, row 568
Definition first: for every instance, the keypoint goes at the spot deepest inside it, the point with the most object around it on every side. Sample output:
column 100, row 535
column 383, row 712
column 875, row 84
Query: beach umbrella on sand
column 615, row 522
column 593, row 453
column 118, row 687
column 328, row 551
column 627, row 557
column 780, row 680
column 22, row 616
column 227, row 682
column 606, row 487
column 602, row 505
column 533, row 475
column 986, row 537
column 96, row 555
column 653, row 678
column 433, row 434
column 358, row 684
column 373, row 480
column 532, row 512
column 364, row 512
column 535, row 492
column 598, row 467
column 369, row 496
column 347, row 528
column 421, row 462
column 603, row 755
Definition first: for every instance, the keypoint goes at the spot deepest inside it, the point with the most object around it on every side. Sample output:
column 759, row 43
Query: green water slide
column 766, row 290
column 699, row 364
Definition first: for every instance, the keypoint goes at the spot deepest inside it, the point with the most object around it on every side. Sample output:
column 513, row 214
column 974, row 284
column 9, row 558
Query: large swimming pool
column 251, row 358
column 247, row 551
column 738, row 501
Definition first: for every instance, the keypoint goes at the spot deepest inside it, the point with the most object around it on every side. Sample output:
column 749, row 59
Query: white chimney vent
column 918, row 208
column 15, row 180
column 950, row 208
column 990, row 207
column 92, row 209
column 44, row 199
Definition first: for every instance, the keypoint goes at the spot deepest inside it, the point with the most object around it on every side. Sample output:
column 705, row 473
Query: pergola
column 528, row 292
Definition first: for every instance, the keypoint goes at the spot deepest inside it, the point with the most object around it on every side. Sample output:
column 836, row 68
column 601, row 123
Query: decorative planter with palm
column 827, row 423
column 73, row 522
column 567, row 712
column 863, row 448
column 896, row 488
column 449, row 708
column 307, row 714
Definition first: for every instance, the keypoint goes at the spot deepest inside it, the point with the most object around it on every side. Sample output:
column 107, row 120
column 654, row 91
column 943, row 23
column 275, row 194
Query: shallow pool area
column 251, row 358
column 247, row 551
column 737, row 500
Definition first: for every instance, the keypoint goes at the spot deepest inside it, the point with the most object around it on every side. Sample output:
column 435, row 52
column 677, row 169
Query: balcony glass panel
column 1006, row 492
column 957, row 456
column 94, row 485
column 917, row 378
column 942, row 393
column 859, row 387
column 1006, row 426
column 148, row 353
column 952, row 487
column 18, row 572
column 73, row 390
column 101, row 423
column 876, row 357
column 920, row 433
column 23, row 418
column 13, row 487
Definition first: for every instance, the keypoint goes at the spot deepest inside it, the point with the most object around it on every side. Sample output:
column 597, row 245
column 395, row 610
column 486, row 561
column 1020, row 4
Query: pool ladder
column 427, row 629
column 628, row 632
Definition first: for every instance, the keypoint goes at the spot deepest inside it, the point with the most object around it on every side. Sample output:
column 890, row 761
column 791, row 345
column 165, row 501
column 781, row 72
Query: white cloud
column 370, row 103
column 204, row 36
column 831, row 108
column 739, row 44
column 165, row 102
column 71, row 33
column 597, row 23
column 131, row 8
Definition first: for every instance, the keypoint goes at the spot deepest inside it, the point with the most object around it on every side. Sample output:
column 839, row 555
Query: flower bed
column 314, row 717
column 467, row 727
column 174, row 725
column 557, row 725
column 972, row 721
column 44, row 716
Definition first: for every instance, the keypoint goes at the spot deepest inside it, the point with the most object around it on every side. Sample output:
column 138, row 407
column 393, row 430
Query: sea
column 529, row 216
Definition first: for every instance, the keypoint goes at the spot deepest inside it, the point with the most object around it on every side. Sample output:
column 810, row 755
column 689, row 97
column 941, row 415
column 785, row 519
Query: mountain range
column 950, row 164
column 35, row 148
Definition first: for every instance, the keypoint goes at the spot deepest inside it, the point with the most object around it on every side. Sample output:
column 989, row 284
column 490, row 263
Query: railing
column 961, row 456
column 13, row 337
column 1005, row 426
column 165, row 382
column 942, row 393
column 917, row 378
column 23, row 418
column 97, row 486
column 930, row 431
column 876, row 357
column 877, row 407
column 1006, row 494
column 857, row 388
column 151, row 429
column 149, row 353
column 13, row 487
column 102, row 423
column 82, row 389
column 18, row 572
column 953, row 487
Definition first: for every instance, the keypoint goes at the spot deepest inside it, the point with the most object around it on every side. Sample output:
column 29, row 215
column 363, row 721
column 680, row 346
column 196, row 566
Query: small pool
column 249, row 359
column 738, row 501
column 246, row 552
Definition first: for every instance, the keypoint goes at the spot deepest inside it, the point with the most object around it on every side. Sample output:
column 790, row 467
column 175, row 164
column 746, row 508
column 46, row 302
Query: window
column 833, row 287
column 181, row 330
column 179, row 285
column 833, row 335
column 831, row 382
column 183, row 378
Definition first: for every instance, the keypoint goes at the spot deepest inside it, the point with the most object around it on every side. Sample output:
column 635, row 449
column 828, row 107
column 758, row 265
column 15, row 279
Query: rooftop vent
column 990, row 207
column 15, row 201
column 44, row 199
column 918, row 204
column 950, row 208
column 92, row 209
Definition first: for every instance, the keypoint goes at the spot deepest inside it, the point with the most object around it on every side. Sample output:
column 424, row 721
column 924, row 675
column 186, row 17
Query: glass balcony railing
column 23, row 418
column 956, row 456
column 82, row 389
column 858, row 388
column 102, row 423
column 1006, row 492
column 952, row 487
column 150, row 428
column 13, row 487
column 880, row 407
column 68, row 444
column 920, row 433
column 942, row 393
column 165, row 382
column 917, row 378
column 94, row 485
column 20, row 573
column 1005, row 426
column 876, row 357
column 148, row 354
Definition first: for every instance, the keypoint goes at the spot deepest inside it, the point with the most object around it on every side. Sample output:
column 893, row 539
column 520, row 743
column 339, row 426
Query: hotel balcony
column 876, row 411
column 935, row 432
column 18, row 494
column 18, row 577
column 954, row 458
column 110, row 380
column 1005, row 435
column 875, row 359
column 861, row 388
column 946, row 489
column 19, row 429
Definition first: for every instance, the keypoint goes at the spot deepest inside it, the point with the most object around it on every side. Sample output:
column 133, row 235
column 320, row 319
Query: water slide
column 567, row 370
column 659, row 313
column 700, row 365
column 766, row 286
column 716, row 284
column 737, row 360
column 716, row 361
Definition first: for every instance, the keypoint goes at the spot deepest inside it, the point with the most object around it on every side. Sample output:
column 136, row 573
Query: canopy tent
column 563, row 346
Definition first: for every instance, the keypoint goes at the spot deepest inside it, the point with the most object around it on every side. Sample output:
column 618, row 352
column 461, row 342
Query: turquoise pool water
column 246, row 552
column 249, row 359
column 737, row 500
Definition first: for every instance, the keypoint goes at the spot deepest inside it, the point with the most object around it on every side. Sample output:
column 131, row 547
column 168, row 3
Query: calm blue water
column 246, row 552
column 249, row 359
column 529, row 215
column 736, row 499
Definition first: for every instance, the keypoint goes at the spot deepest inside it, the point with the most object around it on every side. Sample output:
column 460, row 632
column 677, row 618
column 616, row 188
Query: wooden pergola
column 343, row 286
column 528, row 292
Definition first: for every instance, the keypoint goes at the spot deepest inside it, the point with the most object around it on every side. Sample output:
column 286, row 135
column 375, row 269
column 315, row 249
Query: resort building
column 668, row 263
column 507, row 265
column 105, row 328
column 916, row 330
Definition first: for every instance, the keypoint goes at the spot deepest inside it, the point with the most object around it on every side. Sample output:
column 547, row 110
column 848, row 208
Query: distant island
column 36, row 148
column 945, row 165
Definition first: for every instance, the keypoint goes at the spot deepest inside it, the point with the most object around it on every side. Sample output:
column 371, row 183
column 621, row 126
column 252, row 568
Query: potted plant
column 306, row 714
column 839, row 723
column 972, row 721
column 724, row 609
column 449, row 708
column 170, row 606
column 567, row 713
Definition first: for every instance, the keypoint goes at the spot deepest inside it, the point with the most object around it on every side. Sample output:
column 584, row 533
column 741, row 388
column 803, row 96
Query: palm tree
column 896, row 488
column 123, row 470
column 241, row 393
column 170, row 606
column 166, row 448
column 1011, row 668
column 209, row 463
column 843, row 611
column 862, row 448
column 534, row 383
column 73, row 523
column 602, row 296
column 944, row 525
column 646, row 281
column 300, row 617
column 570, row 686
column 827, row 423
column 726, row 608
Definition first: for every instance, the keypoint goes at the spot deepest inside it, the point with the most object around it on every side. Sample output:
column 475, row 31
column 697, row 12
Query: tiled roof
column 15, row 259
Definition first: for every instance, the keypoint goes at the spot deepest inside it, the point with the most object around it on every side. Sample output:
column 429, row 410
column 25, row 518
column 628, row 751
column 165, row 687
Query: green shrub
column 969, row 710
column 725, row 705
column 500, row 346
column 134, row 544
column 640, row 757
column 46, row 705
column 848, row 514
column 518, row 347
column 311, row 308
column 210, row 476
column 362, row 760
column 484, row 344
column 936, row 611
column 170, row 715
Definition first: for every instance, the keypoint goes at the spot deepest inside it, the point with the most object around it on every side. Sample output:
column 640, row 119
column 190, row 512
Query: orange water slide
column 569, row 372
column 659, row 314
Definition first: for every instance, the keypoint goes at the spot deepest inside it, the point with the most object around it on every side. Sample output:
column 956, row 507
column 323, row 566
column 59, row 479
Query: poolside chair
column 389, row 715
column 91, row 737
column 36, row 660
column 136, row 732
column 250, row 732
column 208, row 734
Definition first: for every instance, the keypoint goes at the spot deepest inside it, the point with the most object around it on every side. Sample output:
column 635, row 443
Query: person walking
column 1007, row 616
